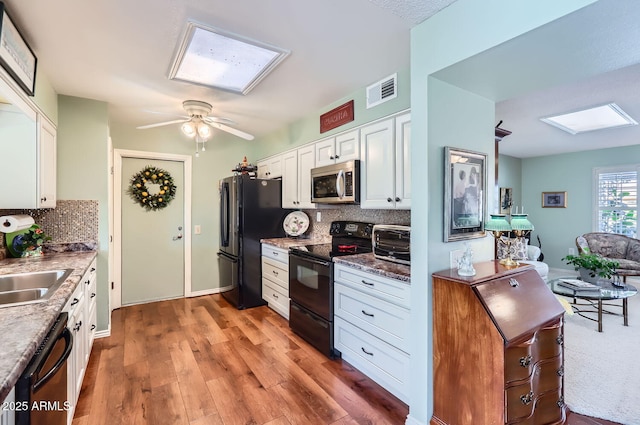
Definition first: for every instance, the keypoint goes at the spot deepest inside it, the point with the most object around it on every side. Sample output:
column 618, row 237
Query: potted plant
column 592, row 266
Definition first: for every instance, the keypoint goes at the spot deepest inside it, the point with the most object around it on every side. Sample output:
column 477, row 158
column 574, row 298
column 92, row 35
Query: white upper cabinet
column 270, row 168
column 28, row 140
column 386, row 164
column 47, row 162
column 296, row 177
column 343, row 147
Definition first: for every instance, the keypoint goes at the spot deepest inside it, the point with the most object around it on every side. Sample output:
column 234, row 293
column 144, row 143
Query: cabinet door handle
column 397, row 199
column 525, row 361
column 526, row 399
column 93, row 294
column 75, row 301
column 43, row 199
column 366, row 352
column 389, row 200
column 337, row 156
column 93, row 269
column 367, row 314
column 87, row 282
column 514, row 283
column 93, row 327
column 331, row 157
column 367, row 283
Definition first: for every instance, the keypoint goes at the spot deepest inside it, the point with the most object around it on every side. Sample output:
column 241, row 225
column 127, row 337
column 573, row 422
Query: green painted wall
column 573, row 173
column 464, row 29
column 510, row 175
column 307, row 129
column 83, row 135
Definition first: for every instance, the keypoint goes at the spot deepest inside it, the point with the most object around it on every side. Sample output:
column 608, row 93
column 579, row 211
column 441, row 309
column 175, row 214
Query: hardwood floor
column 199, row 361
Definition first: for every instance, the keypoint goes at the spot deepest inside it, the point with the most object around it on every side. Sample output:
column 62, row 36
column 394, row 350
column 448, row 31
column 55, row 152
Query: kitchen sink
column 26, row 288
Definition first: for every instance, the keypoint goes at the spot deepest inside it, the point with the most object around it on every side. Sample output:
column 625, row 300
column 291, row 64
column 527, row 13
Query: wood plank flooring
column 199, row 361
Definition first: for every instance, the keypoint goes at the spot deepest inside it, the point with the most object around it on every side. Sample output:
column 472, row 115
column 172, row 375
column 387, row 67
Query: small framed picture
column 506, row 200
column 554, row 199
column 16, row 57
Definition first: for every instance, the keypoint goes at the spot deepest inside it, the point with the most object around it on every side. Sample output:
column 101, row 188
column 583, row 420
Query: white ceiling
column 585, row 59
column 120, row 52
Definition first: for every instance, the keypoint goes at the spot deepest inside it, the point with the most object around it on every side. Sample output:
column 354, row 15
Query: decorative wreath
column 139, row 191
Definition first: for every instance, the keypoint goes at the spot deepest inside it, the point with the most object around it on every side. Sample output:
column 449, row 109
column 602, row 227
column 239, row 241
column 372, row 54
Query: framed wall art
column 16, row 57
column 506, row 200
column 465, row 194
column 554, row 199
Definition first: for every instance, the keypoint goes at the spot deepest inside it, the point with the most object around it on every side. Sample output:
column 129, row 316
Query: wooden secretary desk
column 498, row 348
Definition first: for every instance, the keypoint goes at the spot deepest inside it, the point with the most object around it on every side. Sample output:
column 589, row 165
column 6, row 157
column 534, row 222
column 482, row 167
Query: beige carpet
column 602, row 370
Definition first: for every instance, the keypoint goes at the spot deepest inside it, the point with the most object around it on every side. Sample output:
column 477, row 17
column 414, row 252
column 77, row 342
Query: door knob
column 175, row 238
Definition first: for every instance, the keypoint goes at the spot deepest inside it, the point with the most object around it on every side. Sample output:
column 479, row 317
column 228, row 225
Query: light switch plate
column 318, row 216
column 197, row 229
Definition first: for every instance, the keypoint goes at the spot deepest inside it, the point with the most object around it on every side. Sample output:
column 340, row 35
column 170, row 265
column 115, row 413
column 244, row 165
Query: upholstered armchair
column 523, row 253
column 612, row 246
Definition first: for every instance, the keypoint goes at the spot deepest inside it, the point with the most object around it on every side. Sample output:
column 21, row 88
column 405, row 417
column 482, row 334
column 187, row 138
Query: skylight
column 211, row 57
column 597, row 118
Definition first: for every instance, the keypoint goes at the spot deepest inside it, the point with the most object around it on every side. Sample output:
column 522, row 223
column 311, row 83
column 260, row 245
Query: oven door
column 311, row 284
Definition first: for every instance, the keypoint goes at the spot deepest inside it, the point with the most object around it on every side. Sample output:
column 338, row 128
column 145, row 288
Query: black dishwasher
column 41, row 390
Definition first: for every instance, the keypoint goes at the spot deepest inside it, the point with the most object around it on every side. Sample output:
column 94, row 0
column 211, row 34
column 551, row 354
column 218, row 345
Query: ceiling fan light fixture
column 219, row 59
column 189, row 129
column 204, row 131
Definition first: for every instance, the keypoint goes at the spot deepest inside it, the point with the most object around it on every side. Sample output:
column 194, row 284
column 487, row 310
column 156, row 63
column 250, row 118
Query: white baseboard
column 104, row 334
column 204, row 292
column 413, row 421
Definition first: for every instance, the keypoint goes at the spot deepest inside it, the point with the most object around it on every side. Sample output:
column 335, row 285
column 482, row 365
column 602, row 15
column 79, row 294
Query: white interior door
column 152, row 242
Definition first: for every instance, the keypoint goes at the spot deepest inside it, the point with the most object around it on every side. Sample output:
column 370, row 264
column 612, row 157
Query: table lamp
column 498, row 224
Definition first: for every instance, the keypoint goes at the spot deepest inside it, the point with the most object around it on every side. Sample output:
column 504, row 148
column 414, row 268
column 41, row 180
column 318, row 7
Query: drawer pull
column 77, row 326
column 274, row 253
column 93, row 327
column 560, row 371
column 561, row 402
column 87, row 282
column 514, row 283
column 93, row 294
column 367, row 314
column 560, row 339
column 526, row 399
column 525, row 361
column 93, row 269
column 75, row 301
column 366, row 352
column 368, row 283
column 274, row 272
column 275, row 296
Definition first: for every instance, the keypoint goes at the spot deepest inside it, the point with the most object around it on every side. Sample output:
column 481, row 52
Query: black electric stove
column 347, row 238
column 311, row 282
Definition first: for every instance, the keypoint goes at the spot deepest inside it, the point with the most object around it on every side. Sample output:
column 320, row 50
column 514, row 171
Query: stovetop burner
column 348, row 238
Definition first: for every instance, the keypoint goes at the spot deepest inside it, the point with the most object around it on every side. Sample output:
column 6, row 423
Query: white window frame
column 595, row 191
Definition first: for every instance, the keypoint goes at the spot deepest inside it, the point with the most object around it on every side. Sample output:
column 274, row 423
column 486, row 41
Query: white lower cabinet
column 275, row 279
column 81, row 309
column 371, row 319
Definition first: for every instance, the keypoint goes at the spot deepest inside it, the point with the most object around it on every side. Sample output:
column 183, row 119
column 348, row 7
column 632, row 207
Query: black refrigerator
column 250, row 210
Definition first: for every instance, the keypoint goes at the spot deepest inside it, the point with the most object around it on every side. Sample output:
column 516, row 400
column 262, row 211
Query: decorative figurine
column 465, row 265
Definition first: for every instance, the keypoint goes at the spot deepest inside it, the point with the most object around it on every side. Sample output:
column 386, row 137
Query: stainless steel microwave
column 336, row 183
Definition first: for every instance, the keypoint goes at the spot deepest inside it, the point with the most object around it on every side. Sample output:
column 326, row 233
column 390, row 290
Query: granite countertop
column 370, row 264
column 286, row 243
column 24, row 327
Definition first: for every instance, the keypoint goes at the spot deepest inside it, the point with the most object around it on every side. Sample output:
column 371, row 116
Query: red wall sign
column 336, row 117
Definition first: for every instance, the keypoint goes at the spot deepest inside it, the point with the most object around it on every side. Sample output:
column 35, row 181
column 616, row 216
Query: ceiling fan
column 197, row 124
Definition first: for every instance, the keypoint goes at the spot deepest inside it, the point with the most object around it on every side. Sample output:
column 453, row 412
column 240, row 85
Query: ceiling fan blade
column 231, row 130
column 210, row 120
column 160, row 124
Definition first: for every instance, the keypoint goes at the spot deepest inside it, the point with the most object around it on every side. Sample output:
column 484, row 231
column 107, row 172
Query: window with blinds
column 617, row 201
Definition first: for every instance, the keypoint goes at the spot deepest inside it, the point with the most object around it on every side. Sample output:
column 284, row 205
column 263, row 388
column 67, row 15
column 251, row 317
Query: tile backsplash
column 355, row 213
column 70, row 222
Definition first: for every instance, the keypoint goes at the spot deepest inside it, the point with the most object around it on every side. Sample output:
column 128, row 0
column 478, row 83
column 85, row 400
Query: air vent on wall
column 383, row 90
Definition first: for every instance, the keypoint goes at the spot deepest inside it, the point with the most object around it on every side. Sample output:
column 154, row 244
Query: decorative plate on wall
column 296, row 223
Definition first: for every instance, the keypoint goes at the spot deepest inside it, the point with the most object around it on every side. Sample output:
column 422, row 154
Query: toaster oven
column 392, row 243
